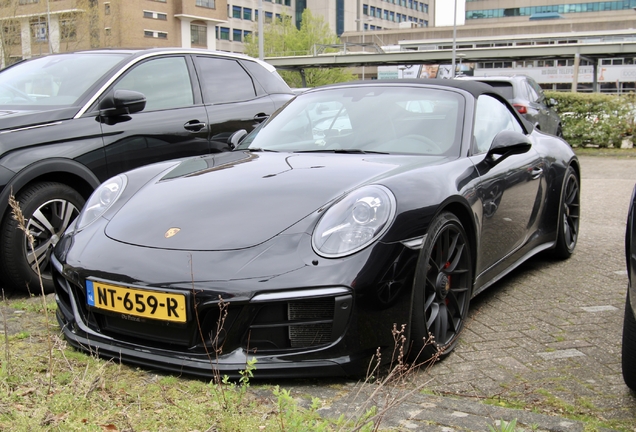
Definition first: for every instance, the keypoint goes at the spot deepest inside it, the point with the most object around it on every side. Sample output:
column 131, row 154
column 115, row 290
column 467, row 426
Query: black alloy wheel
column 442, row 289
column 48, row 209
column 569, row 215
column 628, row 354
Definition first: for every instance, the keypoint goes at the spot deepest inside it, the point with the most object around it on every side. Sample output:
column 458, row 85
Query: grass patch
column 615, row 152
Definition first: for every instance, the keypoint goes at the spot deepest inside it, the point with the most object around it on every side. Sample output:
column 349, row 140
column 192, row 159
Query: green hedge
column 595, row 119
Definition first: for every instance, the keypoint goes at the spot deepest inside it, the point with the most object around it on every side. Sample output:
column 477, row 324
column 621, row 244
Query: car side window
column 532, row 93
column 491, row 117
column 164, row 81
column 224, row 80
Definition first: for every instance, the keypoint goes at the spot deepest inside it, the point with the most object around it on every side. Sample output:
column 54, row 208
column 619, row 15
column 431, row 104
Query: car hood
column 240, row 199
column 19, row 118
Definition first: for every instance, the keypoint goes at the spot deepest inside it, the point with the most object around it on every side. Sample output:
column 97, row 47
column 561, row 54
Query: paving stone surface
column 547, row 336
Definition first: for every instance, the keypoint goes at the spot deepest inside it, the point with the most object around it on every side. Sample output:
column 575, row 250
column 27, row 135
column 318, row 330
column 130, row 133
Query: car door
column 510, row 190
column 233, row 99
column 173, row 123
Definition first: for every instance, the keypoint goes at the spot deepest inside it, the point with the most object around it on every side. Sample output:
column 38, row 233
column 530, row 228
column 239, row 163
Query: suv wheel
column 48, row 209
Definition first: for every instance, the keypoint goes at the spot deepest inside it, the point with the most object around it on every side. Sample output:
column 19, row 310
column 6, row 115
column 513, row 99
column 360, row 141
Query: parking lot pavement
column 546, row 338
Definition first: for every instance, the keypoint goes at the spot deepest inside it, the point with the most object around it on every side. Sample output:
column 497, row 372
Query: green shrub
column 595, row 119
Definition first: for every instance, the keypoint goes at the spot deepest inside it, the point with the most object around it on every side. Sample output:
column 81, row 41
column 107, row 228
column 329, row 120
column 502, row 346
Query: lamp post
column 454, row 38
column 363, row 21
column 261, row 50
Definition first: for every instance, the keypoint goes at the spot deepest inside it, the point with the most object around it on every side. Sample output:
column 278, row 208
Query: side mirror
column 508, row 143
column 552, row 102
column 122, row 102
column 234, row 139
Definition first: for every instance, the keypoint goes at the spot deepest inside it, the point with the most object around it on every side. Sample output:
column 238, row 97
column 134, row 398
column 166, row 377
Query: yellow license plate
column 141, row 303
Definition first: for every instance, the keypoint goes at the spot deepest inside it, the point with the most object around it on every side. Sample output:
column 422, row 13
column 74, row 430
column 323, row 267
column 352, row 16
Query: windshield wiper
column 345, row 151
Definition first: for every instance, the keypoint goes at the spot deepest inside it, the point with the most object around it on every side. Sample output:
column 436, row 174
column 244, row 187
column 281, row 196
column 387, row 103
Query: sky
column 444, row 12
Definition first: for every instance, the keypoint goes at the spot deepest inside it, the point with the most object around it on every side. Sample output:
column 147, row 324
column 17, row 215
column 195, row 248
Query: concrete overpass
column 589, row 50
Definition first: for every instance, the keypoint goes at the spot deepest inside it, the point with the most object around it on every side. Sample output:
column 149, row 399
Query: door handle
column 194, row 125
column 536, row 173
column 260, row 117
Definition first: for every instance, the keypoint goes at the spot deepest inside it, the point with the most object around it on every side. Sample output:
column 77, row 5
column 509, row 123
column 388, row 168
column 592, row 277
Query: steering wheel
column 428, row 146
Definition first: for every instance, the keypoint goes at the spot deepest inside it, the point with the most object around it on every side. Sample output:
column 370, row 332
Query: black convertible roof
column 476, row 88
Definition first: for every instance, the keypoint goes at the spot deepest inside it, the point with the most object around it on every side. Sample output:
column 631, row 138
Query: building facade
column 508, row 24
column 38, row 27
column 496, row 11
column 341, row 16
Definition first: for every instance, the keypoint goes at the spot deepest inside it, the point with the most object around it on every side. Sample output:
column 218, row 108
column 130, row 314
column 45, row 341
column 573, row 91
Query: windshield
column 53, row 81
column 373, row 119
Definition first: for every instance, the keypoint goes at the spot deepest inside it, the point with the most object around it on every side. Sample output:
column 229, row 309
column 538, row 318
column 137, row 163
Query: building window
column 68, row 31
column 269, row 16
column 287, row 2
column 23, row 2
column 237, row 35
column 11, row 30
column 38, row 29
column 365, row 9
column 106, row 8
column 247, row 14
column 107, row 31
column 206, row 3
column 246, row 34
column 224, row 33
column 155, row 15
column 155, row 34
column 198, row 35
column 236, row 12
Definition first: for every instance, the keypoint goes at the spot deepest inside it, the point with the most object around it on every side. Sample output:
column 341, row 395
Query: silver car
column 527, row 97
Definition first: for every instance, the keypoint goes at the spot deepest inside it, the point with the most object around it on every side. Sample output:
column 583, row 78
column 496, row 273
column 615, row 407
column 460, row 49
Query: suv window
column 536, row 90
column 164, row 81
column 503, row 87
column 224, row 80
column 491, row 117
column 271, row 81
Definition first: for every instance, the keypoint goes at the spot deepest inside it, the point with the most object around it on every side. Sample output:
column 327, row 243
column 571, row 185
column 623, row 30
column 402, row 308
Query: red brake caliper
column 447, row 265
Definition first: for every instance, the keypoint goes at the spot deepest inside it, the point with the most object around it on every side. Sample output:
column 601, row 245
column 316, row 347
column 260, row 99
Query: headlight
column 103, row 197
column 354, row 222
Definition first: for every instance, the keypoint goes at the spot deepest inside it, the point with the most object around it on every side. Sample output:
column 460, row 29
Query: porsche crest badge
column 171, row 232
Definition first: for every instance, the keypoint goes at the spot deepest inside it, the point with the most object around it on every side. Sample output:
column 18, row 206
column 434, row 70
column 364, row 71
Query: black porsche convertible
column 353, row 208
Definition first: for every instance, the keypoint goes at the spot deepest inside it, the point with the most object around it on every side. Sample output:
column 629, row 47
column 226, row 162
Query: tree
column 282, row 38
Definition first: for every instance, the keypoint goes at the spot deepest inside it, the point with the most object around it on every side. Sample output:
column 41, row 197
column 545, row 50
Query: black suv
column 527, row 97
column 70, row 121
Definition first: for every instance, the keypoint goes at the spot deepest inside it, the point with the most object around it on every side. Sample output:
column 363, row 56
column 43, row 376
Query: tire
column 629, row 346
column 442, row 289
column 569, row 215
column 48, row 209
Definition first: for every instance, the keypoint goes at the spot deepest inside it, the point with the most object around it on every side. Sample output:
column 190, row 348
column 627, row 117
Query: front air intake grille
column 314, row 309
column 301, row 336
column 298, row 323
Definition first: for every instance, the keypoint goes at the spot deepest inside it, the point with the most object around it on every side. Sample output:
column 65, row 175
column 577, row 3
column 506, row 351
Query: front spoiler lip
column 202, row 366
column 267, row 366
